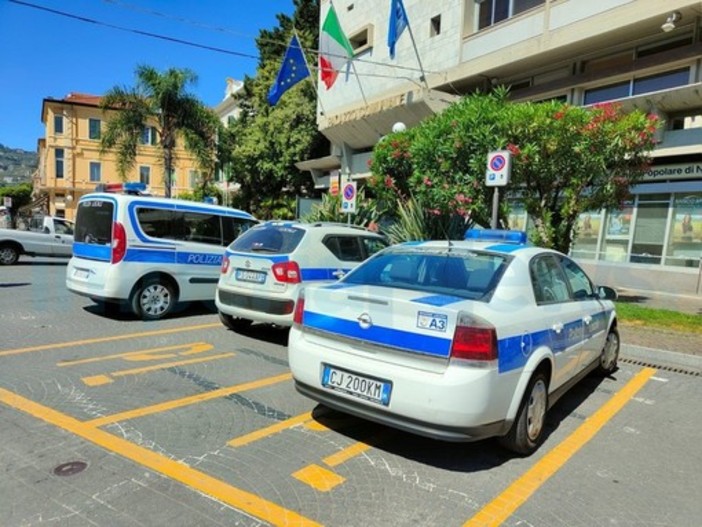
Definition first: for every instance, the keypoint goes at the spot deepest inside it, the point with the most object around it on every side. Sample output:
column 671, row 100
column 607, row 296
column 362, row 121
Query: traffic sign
column 348, row 197
column 334, row 182
column 499, row 166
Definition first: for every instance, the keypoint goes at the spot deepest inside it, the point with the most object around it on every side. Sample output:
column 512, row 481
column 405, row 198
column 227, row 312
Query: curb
column 663, row 359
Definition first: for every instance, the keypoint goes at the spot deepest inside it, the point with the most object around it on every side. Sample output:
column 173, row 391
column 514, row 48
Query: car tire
column 8, row 255
column 610, row 354
column 234, row 323
column 153, row 299
column 527, row 431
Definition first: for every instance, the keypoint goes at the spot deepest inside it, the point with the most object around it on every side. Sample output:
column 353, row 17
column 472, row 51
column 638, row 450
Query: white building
column 646, row 54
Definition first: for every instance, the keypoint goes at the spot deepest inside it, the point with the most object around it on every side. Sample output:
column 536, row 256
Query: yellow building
column 70, row 163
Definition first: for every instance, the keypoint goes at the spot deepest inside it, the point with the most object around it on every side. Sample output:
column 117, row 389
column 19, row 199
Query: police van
column 149, row 252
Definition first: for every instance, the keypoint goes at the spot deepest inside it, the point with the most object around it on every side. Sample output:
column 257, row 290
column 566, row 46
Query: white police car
column 455, row 340
column 264, row 269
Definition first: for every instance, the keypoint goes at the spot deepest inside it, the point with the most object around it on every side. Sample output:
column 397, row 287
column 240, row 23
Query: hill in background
column 16, row 166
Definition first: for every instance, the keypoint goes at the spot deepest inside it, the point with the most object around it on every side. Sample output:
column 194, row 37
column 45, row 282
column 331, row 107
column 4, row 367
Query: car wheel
column 234, row 323
column 610, row 353
column 8, row 255
column 527, row 432
column 153, row 299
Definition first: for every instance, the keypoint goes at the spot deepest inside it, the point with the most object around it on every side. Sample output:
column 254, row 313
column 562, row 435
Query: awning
column 683, row 150
column 321, row 163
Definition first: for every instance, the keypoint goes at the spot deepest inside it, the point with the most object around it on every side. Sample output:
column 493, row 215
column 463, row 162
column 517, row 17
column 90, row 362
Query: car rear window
column 277, row 239
column 471, row 275
column 94, row 222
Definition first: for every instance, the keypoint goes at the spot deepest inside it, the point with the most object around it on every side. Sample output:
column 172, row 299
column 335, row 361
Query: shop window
column 649, row 232
column 617, row 233
column 685, row 232
column 587, row 233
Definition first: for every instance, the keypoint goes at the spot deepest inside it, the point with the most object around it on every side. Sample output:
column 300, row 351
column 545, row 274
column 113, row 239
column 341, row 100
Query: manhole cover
column 70, row 468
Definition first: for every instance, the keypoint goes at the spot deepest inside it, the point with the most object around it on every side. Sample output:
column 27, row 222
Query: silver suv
column 264, row 268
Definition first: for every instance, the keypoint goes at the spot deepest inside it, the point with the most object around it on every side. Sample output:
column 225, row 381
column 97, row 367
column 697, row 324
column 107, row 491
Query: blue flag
column 292, row 70
column 398, row 23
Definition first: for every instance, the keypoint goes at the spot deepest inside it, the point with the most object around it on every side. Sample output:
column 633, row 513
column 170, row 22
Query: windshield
column 465, row 274
column 94, row 222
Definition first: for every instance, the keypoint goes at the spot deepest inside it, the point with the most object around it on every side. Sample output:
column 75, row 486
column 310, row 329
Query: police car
column 264, row 269
column 457, row 341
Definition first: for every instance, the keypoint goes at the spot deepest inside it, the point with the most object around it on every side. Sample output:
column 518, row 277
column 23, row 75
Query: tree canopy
column 160, row 100
column 565, row 160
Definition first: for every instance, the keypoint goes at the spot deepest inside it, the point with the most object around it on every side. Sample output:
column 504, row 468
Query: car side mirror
column 606, row 293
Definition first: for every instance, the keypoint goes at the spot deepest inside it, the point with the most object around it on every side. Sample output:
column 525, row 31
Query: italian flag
column 334, row 49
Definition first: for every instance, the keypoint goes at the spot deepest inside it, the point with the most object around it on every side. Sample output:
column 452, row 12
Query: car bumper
column 460, row 403
column 255, row 307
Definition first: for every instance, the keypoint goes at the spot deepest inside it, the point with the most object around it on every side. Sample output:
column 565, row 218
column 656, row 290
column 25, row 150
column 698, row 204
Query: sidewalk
column 659, row 347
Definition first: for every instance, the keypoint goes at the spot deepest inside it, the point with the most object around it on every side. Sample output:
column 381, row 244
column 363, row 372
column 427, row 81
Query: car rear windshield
column 94, row 222
column 275, row 239
column 465, row 274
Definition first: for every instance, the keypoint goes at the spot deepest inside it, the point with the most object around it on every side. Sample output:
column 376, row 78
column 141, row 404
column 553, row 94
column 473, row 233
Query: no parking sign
column 348, row 197
column 499, row 166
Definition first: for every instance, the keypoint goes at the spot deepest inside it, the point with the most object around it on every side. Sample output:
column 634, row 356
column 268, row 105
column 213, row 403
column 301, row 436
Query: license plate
column 361, row 386
column 244, row 275
column 81, row 274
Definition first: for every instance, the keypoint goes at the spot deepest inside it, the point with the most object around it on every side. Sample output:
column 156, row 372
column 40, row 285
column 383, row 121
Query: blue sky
column 43, row 54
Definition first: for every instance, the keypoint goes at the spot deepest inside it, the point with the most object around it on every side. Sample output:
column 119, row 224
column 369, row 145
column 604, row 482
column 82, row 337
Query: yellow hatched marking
column 319, row 478
column 96, row 380
column 347, row 453
column 186, row 401
column 154, row 367
column 237, row 498
column 113, row 338
column 269, row 430
column 504, row 505
column 144, row 355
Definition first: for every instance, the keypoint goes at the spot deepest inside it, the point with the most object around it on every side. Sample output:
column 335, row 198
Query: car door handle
column 587, row 320
column 558, row 327
column 338, row 273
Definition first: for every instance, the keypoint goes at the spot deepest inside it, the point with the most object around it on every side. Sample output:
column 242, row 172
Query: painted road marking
column 98, row 380
column 113, row 338
column 319, row 478
column 185, row 401
column 144, row 355
column 504, row 505
column 237, row 498
column 269, row 430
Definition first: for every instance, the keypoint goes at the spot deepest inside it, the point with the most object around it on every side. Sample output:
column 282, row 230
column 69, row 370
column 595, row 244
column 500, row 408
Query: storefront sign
column 677, row 171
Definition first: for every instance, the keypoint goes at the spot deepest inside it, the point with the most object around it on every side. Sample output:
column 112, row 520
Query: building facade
column 70, row 163
column 644, row 54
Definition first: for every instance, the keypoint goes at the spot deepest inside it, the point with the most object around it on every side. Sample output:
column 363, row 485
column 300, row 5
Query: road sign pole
column 495, row 207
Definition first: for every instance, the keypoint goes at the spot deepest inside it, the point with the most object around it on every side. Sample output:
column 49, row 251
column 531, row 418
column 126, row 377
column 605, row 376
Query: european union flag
column 398, row 23
column 292, row 70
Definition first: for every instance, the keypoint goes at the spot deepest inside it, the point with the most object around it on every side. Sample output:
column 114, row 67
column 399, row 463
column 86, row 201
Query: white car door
column 62, row 239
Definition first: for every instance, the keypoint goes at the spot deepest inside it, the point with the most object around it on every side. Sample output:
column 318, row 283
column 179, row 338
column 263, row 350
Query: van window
column 94, row 222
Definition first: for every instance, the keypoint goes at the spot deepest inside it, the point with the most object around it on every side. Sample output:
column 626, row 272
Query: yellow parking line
column 269, row 430
column 143, row 355
column 502, row 507
column 185, row 401
column 237, row 498
column 347, row 453
column 113, row 338
column 104, row 379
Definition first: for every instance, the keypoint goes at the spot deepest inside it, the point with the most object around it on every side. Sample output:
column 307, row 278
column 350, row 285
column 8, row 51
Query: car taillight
column 225, row 264
column 474, row 339
column 287, row 272
column 299, row 313
column 119, row 242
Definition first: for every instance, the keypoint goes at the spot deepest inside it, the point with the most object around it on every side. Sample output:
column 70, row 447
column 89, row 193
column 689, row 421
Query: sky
column 50, row 48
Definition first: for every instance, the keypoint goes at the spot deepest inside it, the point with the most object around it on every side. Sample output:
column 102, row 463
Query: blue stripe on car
column 438, row 300
column 406, row 340
column 91, row 251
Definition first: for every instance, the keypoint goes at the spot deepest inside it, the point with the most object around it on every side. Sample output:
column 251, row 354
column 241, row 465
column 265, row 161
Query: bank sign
column 677, row 171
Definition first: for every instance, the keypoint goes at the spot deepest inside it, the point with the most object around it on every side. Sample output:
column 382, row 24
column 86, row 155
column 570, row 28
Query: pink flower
column 373, row 226
column 514, row 149
column 558, row 115
column 427, row 182
column 389, row 183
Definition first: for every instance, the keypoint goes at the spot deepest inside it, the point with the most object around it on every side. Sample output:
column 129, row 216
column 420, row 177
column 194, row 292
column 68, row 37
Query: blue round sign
column 349, row 192
column 498, row 162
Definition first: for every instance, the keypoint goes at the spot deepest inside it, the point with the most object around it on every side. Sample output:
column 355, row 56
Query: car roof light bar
column 496, row 235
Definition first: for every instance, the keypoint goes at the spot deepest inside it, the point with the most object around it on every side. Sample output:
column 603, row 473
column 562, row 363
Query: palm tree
column 161, row 99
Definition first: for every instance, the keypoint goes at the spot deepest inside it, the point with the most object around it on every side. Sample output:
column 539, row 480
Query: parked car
column 45, row 236
column 263, row 270
column 149, row 252
column 457, row 341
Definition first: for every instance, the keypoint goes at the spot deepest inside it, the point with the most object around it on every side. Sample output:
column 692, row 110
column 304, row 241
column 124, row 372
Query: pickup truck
column 45, row 236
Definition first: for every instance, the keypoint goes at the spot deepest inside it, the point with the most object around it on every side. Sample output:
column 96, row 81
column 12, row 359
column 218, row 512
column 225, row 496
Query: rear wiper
column 263, row 249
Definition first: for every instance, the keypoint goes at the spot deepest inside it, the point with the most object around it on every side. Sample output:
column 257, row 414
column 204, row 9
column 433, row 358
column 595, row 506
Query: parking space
column 182, row 422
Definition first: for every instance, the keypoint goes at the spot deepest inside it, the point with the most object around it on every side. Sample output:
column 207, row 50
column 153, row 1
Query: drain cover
column 70, row 468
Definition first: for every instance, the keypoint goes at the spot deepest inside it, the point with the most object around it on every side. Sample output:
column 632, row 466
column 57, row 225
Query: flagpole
column 416, row 52
column 314, row 82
